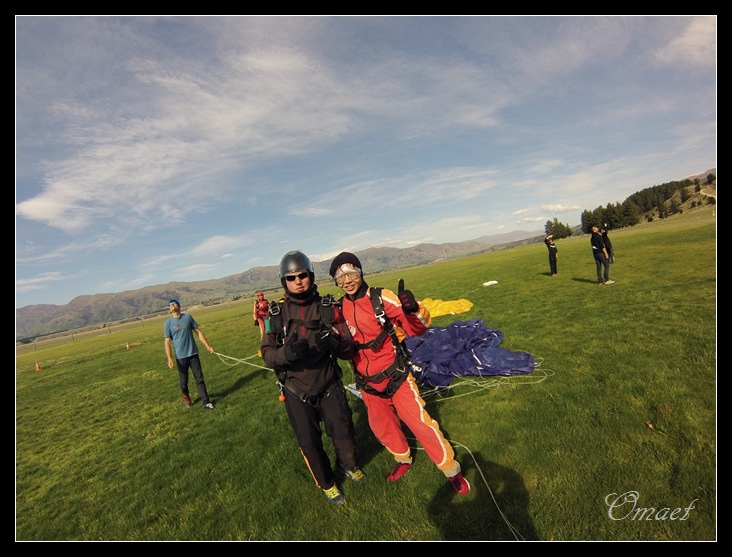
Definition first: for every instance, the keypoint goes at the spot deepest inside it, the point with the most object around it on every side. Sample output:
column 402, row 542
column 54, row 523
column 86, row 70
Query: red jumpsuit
column 261, row 311
column 386, row 414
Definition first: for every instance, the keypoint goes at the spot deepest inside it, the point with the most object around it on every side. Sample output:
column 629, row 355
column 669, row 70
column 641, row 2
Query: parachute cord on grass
column 226, row 360
column 478, row 382
column 516, row 534
column 481, row 383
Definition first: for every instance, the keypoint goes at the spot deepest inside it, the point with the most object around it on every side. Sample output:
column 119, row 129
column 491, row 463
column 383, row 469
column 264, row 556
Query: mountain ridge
column 98, row 309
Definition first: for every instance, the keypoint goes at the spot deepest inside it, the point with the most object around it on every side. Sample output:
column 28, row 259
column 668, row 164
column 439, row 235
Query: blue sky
column 158, row 149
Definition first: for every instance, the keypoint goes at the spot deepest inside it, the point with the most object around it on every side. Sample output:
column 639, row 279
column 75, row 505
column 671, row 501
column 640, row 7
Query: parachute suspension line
column 478, row 383
column 481, row 383
column 435, row 394
column 231, row 361
column 516, row 534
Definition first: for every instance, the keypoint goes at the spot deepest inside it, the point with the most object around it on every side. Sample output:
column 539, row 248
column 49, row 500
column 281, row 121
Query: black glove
column 296, row 349
column 326, row 341
column 256, row 322
column 409, row 304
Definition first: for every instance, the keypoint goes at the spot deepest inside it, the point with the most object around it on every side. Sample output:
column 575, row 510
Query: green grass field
column 622, row 408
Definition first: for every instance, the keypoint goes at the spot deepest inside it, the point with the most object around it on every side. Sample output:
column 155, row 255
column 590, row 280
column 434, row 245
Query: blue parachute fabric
column 463, row 348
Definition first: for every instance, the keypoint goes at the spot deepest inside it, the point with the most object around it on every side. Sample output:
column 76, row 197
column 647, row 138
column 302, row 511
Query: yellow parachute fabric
column 452, row 307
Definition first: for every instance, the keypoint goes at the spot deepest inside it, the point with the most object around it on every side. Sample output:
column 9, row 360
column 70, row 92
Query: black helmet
column 295, row 261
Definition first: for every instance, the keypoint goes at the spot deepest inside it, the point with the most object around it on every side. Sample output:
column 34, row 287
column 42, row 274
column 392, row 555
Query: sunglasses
column 293, row 278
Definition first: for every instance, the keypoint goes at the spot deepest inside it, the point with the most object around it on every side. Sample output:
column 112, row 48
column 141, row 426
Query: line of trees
column 657, row 200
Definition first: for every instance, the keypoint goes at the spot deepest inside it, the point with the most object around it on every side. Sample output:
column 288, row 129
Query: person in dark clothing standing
column 549, row 241
column 599, row 252
column 608, row 244
column 304, row 354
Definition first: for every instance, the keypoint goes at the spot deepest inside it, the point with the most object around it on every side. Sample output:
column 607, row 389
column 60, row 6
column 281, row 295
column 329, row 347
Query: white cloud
column 695, row 47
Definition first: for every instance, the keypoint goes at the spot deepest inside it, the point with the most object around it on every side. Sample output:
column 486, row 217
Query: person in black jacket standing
column 549, row 241
column 303, row 352
column 608, row 244
column 599, row 252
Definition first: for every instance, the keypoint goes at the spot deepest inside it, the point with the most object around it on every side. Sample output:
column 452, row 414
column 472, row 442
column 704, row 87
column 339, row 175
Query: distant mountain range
column 98, row 309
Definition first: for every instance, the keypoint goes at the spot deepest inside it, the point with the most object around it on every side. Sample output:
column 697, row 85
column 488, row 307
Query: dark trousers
column 553, row 263
column 602, row 262
column 335, row 413
column 194, row 363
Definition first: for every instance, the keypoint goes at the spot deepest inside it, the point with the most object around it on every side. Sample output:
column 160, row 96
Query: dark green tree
column 630, row 214
column 674, row 207
column 558, row 229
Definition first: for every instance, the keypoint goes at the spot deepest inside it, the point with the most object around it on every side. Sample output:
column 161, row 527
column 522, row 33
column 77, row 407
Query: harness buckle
column 381, row 317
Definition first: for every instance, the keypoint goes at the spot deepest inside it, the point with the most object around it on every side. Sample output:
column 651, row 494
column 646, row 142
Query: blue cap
column 171, row 302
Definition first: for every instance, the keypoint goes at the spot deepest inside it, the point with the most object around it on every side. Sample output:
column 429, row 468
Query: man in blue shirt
column 178, row 333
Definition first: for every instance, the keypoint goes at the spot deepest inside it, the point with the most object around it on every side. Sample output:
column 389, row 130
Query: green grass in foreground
column 624, row 401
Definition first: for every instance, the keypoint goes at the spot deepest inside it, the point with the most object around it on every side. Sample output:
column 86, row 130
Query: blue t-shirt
column 180, row 330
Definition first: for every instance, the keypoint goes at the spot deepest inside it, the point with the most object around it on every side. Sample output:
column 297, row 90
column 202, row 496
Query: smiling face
column 348, row 278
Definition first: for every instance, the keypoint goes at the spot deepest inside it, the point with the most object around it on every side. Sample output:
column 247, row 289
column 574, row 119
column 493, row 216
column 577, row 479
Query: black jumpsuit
column 314, row 390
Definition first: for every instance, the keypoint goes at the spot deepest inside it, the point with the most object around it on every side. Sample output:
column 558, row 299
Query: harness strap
column 313, row 400
column 397, row 372
column 388, row 372
column 399, row 369
column 309, row 324
column 398, row 376
column 374, row 343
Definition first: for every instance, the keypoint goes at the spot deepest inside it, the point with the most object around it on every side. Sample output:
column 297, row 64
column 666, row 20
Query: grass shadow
column 588, row 281
column 239, row 384
column 496, row 509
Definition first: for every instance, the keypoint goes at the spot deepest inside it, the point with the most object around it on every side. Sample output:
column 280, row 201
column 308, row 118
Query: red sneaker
column 187, row 400
column 400, row 468
column 459, row 484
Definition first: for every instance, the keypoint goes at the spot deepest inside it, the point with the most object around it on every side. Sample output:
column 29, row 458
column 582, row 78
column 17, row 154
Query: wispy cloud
column 152, row 149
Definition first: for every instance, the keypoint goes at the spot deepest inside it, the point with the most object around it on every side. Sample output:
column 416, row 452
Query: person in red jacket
column 385, row 381
column 261, row 309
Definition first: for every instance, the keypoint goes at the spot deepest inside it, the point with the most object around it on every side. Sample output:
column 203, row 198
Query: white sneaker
column 609, row 282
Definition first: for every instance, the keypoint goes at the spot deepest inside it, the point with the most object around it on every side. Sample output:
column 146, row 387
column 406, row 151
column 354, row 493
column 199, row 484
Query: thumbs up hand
column 409, row 304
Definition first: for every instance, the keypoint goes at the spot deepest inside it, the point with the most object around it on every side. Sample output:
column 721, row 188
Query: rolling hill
column 98, row 309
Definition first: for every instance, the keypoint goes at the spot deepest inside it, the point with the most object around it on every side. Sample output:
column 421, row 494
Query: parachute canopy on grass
column 450, row 307
column 464, row 348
